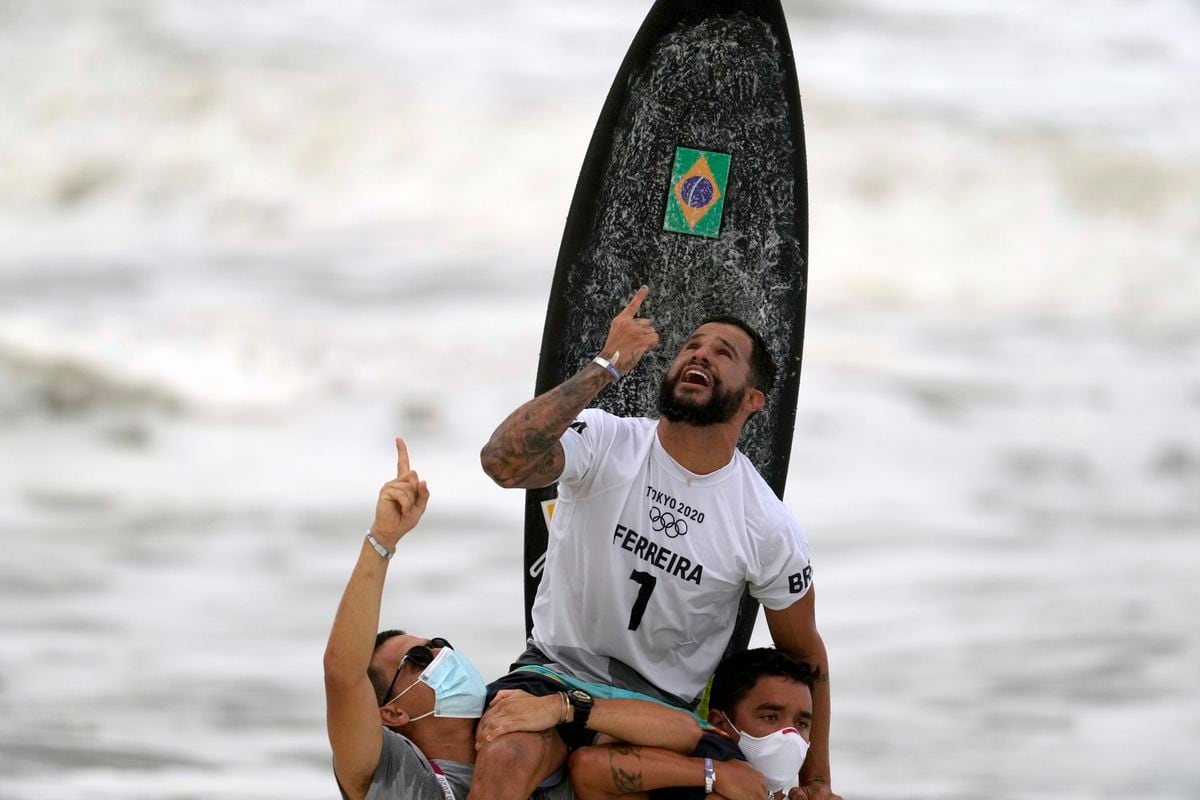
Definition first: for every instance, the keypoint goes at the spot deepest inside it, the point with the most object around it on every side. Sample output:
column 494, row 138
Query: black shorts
column 538, row 685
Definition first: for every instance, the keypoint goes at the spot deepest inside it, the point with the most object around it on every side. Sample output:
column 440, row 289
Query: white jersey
column 646, row 562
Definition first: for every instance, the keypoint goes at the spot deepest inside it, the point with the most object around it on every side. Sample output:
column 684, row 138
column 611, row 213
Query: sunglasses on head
column 419, row 654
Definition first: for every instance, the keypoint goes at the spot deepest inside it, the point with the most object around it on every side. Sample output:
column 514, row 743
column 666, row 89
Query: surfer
column 401, row 710
column 659, row 526
column 761, row 699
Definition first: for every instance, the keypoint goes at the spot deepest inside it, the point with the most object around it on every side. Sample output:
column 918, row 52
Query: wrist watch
column 582, row 702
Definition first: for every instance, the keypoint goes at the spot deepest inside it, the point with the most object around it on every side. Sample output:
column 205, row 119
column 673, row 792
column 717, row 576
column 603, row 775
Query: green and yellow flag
column 697, row 197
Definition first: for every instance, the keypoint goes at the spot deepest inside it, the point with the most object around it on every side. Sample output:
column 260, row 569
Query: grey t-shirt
column 403, row 773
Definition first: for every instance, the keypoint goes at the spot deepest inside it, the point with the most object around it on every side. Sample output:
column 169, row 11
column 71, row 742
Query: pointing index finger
column 631, row 310
column 401, row 457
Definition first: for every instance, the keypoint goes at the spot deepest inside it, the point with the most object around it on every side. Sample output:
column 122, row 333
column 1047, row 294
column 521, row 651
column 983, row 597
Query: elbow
column 690, row 734
column 696, row 733
column 681, row 733
column 338, row 671
column 494, row 467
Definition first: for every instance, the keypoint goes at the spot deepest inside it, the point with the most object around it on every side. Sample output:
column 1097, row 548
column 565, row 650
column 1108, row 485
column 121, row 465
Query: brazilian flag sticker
column 697, row 196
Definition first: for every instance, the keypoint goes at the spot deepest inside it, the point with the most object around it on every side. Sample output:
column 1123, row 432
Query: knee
column 511, row 751
column 512, row 765
column 521, row 754
column 583, row 758
column 585, row 764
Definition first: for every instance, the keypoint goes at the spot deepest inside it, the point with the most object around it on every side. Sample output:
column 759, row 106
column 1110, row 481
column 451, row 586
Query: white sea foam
column 246, row 243
column 284, row 132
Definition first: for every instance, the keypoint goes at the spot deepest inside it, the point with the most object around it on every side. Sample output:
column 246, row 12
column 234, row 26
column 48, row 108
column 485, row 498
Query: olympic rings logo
column 667, row 522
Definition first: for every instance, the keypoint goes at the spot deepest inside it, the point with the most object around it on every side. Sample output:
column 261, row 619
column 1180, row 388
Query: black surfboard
column 694, row 184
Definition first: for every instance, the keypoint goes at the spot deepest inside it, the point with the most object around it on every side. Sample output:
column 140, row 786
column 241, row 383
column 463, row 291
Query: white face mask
column 778, row 756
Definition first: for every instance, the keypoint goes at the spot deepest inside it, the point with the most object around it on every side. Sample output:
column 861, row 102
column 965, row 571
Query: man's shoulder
column 762, row 504
column 752, row 480
column 394, row 742
column 404, row 769
column 600, row 413
column 597, row 419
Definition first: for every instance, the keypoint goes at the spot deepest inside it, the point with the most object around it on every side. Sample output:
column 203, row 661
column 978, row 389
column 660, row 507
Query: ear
column 753, row 401
column 718, row 721
column 393, row 717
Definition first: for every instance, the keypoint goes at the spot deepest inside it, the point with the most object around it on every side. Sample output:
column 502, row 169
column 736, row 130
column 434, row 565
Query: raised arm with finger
column 524, row 451
column 352, row 709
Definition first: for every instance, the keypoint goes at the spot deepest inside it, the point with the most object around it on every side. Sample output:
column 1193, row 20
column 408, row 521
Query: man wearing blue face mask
column 760, row 698
column 387, row 738
column 401, row 709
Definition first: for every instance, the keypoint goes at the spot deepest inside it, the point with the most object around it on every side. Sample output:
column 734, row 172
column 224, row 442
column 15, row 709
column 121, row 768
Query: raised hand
column 630, row 336
column 401, row 501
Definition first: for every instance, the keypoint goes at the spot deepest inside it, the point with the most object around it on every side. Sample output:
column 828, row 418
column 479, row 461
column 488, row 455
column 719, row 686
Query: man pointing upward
column 660, row 526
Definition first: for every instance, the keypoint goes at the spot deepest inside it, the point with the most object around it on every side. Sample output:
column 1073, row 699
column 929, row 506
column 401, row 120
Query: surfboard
column 694, row 184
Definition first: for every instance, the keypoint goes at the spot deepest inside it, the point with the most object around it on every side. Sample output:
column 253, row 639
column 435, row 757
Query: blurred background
column 244, row 243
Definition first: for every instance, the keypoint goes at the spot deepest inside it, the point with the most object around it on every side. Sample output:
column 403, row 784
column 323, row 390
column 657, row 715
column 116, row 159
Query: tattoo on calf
column 626, row 780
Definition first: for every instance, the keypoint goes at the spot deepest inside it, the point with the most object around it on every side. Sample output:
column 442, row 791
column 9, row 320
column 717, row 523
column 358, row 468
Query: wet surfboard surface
column 694, row 184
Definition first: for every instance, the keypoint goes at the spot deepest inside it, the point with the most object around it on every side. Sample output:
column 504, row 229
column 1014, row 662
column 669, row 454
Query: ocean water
column 244, row 244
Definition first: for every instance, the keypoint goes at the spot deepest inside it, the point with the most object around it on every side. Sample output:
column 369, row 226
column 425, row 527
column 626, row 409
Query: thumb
column 422, row 497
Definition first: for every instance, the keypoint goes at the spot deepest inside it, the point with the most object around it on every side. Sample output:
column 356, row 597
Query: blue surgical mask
column 458, row 688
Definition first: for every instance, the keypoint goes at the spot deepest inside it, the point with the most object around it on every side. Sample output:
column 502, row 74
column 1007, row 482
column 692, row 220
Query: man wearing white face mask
column 402, row 709
column 761, row 698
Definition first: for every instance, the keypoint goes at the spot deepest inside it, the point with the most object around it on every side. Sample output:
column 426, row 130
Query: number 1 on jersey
column 646, row 582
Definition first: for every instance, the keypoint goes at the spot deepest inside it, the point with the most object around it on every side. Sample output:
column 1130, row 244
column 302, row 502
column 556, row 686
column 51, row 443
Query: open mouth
column 695, row 377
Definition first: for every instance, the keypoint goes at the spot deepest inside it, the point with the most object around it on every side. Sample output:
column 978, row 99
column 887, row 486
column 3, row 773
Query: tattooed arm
column 608, row 771
column 524, row 452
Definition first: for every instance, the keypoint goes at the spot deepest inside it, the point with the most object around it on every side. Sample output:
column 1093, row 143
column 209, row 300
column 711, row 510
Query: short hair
column 739, row 673
column 379, row 681
column 762, row 365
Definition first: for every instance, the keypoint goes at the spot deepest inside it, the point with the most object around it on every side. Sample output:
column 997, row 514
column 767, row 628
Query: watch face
column 580, row 696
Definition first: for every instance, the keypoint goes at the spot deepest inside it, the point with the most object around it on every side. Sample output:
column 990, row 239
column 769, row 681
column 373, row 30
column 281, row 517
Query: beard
column 720, row 407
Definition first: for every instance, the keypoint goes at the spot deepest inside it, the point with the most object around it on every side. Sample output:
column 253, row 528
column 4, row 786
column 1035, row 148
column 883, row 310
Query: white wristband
column 383, row 551
column 608, row 365
column 710, row 776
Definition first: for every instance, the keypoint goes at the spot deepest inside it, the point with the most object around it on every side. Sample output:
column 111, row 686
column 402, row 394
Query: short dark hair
column 762, row 365
column 379, row 681
column 738, row 674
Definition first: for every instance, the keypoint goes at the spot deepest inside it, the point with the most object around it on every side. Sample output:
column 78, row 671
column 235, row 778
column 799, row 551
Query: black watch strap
column 582, row 702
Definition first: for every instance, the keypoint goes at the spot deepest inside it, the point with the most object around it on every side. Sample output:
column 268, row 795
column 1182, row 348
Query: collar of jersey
column 664, row 459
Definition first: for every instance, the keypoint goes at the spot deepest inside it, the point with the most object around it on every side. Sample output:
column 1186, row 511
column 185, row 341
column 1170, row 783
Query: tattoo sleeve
column 525, row 451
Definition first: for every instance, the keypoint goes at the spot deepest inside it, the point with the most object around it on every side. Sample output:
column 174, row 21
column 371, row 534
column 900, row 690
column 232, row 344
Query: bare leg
column 511, row 766
column 606, row 773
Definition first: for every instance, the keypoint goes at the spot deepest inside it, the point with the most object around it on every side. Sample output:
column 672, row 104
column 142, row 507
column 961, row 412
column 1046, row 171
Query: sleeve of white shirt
column 580, row 444
column 783, row 573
